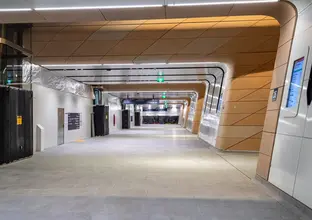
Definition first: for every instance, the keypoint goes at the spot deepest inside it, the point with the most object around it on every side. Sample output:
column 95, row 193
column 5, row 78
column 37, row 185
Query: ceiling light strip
column 14, row 9
column 220, row 3
column 97, row 7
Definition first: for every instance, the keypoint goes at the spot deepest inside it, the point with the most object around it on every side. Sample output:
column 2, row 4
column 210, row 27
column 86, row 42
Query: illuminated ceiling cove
column 38, row 11
column 47, row 5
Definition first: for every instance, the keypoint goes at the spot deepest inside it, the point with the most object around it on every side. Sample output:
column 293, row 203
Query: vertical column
column 181, row 115
column 278, row 83
column 186, row 115
column 201, row 92
column 198, row 114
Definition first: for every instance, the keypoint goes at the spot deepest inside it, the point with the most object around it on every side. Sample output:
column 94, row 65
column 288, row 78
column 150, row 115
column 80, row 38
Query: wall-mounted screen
column 295, row 83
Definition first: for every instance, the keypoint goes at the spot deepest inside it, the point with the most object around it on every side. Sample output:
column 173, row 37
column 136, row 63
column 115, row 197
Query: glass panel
column 13, row 58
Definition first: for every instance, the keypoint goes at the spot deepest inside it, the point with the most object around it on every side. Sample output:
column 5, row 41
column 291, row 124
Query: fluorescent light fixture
column 220, row 3
column 14, row 9
column 97, row 7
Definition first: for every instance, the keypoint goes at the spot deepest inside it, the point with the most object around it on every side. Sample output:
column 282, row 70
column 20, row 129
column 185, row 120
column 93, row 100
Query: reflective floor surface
column 153, row 172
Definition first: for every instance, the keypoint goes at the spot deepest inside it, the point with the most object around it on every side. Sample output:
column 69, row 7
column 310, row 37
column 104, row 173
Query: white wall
column 291, row 161
column 46, row 104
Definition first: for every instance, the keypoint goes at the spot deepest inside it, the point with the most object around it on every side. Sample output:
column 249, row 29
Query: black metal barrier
column 16, row 124
column 160, row 119
column 101, row 120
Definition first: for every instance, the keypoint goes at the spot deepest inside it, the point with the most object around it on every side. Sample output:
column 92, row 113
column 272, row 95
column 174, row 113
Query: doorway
column 60, row 126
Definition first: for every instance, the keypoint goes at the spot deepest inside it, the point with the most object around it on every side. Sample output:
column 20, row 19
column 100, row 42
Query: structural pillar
column 181, row 115
column 186, row 115
column 198, row 115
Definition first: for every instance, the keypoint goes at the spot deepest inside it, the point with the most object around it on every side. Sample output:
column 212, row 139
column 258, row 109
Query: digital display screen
column 295, row 83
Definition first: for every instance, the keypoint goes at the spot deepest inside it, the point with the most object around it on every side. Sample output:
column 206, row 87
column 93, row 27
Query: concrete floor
column 157, row 173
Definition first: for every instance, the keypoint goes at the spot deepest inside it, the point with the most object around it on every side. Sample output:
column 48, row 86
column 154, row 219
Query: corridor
column 155, row 172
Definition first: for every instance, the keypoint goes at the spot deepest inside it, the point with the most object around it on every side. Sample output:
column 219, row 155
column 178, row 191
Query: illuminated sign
column 160, row 77
column 295, row 83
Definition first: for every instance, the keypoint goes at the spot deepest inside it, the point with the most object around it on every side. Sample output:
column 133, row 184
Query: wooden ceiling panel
column 126, row 22
column 61, row 49
column 90, row 23
column 262, row 28
column 246, row 40
column 84, row 60
column 235, row 44
column 95, row 48
column 198, row 11
column 165, row 21
column 167, row 46
column 72, row 16
column 252, row 9
column 37, row 47
column 135, row 35
column 228, row 29
column 75, row 33
column 117, row 59
column 253, row 58
column 45, row 34
column 152, row 59
column 112, row 32
column 156, row 27
column 21, row 17
column 267, row 46
column 189, row 58
column 130, row 47
column 189, row 30
column 150, row 31
column 49, row 60
column 204, row 45
column 245, row 18
column 134, row 14
column 206, row 19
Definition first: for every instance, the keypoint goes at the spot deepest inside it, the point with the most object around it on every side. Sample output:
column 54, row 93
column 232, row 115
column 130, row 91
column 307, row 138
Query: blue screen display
column 295, row 83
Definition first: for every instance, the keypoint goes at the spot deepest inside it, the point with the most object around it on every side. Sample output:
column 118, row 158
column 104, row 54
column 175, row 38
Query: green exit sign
column 160, row 79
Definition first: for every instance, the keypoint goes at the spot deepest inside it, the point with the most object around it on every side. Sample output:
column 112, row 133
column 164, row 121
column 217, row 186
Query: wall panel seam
column 243, row 141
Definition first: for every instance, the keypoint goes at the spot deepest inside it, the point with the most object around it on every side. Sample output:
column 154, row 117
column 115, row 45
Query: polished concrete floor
column 157, row 173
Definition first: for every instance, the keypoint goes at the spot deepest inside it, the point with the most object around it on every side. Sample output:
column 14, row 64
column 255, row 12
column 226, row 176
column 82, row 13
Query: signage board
column 275, row 94
column 19, row 120
column 295, row 83
column 73, row 121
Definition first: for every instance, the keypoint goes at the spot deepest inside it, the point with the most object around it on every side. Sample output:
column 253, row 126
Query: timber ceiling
column 245, row 40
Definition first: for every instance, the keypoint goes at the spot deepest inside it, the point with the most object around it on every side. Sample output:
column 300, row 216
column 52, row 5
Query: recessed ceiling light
column 220, row 3
column 14, row 9
column 97, row 7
